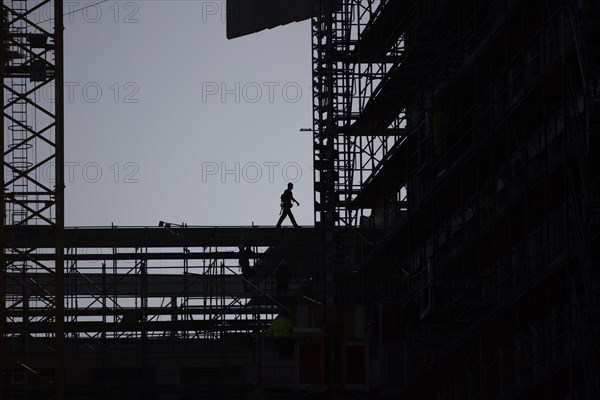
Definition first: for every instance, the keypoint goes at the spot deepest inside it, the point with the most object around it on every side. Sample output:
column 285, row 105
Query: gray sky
column 166, row 119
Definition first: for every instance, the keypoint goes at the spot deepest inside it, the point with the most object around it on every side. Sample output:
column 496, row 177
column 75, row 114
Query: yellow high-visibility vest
column 281, row 327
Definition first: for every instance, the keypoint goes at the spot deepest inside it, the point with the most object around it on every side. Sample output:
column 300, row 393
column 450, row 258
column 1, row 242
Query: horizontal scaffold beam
column 179, row 313
column 158, row 236
column 214, row 325
column 208, row 255
column 152, row 285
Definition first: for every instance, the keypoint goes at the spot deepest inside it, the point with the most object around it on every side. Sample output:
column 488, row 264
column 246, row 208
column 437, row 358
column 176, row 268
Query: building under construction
column 454, row 253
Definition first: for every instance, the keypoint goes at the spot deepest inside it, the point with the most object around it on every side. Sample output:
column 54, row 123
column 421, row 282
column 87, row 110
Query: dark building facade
column 461, row 139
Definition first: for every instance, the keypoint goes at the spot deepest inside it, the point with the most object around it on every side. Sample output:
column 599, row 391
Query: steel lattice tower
column 32, row 144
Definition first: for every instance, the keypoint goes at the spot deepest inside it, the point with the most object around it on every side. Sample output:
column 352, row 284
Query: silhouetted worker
column 247, row 271
column 286, row 206
column 280, row 331
column 282, row 278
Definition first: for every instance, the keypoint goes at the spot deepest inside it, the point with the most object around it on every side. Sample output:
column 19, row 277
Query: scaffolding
column 32, row 142
column 476, row 222
column 149, row 307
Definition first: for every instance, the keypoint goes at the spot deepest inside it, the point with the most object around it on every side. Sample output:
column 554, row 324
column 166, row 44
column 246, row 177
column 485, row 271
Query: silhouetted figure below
column 282, row 278
column 286, row 206
column 247, row 271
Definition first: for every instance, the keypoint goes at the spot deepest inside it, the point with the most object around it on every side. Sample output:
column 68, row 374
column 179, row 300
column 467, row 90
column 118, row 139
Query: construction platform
column 168, row 235
column 168, row 279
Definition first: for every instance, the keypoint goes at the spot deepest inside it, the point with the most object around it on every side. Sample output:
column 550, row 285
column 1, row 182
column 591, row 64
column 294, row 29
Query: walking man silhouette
column 286, row 206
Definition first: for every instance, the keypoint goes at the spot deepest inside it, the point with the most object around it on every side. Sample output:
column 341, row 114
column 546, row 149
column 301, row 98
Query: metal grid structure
column 352, row 135
column 32, row 142
column 479, row 223
column 149, row 308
